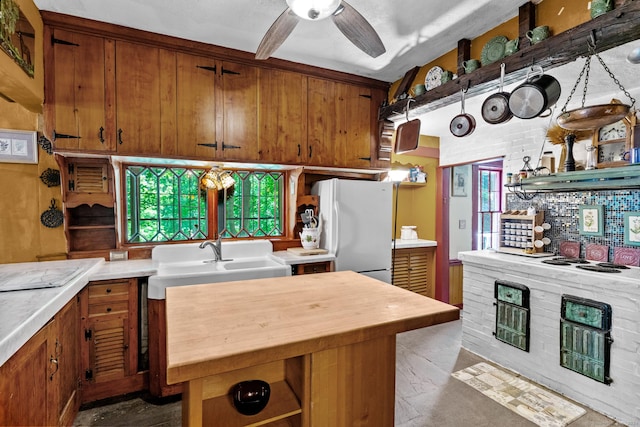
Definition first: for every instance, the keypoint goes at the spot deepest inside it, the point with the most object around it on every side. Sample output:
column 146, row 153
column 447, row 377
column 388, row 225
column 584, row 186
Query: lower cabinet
column 109, row 334
column 158, row 386
column 414, row 270
column 38, row 384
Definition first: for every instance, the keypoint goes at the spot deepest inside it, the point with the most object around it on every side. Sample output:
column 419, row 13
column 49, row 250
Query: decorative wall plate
column 494, row 50
column 433, row 78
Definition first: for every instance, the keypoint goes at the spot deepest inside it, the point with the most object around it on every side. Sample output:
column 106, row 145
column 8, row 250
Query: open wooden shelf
column 283, row 404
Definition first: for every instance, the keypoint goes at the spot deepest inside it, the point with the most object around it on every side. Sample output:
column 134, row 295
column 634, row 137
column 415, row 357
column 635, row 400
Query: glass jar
column 591, row 157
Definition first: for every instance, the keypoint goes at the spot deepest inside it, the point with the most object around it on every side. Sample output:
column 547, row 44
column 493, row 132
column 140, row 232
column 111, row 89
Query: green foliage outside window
column 164, row 204
column 253, row 208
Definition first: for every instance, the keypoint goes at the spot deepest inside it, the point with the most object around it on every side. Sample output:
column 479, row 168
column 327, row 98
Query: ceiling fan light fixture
column 313, row 10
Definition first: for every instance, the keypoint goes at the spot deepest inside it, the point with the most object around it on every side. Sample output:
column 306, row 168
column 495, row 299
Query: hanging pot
column 592, row 117
column 495, row 109
column 538, row 93
column 407, row 134
column 463, row 124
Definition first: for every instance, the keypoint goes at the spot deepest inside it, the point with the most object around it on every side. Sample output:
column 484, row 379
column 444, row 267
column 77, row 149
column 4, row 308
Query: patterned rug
column 522, row 397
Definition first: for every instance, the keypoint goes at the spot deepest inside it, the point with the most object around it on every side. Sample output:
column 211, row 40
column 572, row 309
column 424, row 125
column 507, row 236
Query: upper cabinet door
column 322, row 122
column 355, row 126
column 79, row 99
column 196, row 107
column 282, row 116
column 138, row 99
column 239, row 109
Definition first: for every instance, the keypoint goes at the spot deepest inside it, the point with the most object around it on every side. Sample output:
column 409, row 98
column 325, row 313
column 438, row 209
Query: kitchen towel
column 539, row 406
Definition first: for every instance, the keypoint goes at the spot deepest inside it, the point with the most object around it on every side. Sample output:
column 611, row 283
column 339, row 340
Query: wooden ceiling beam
column 612, row 29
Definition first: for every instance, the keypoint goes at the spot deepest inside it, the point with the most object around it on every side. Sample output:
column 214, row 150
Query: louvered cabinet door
column 413, row 270
column 401, row 275
column 109, row 336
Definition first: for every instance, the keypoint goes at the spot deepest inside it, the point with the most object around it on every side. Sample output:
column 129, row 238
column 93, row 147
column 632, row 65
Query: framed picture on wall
column 18, row 146
column 459, row 181
column 591, row 220
column 632, row 228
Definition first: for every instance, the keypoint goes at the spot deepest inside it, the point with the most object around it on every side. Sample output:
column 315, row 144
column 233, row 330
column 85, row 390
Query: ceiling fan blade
column 358, row 30
column 277, row 34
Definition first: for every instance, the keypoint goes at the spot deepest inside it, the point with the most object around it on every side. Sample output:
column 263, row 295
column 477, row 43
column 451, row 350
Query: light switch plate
column 118, row 255
column 462, row 224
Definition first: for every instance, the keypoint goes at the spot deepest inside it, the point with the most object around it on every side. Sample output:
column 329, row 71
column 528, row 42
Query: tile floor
column 426, row 394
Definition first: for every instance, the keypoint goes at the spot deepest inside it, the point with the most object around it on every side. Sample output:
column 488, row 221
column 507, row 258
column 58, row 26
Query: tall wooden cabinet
column 38, row 384
column 77, row 99
column 109, row 332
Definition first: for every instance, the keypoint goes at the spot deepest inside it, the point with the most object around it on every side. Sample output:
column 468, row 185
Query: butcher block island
column 325, row 343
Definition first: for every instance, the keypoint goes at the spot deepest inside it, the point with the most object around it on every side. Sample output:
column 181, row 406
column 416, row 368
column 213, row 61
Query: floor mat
column 522, row 397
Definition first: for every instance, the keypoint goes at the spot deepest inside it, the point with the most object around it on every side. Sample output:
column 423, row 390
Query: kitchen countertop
column 125, row 269
column 25, row 312
column 535, row 267
column 288, row 258
column 414, row 243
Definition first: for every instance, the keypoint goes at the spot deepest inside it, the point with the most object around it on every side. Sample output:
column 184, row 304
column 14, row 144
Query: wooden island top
column 287, row 321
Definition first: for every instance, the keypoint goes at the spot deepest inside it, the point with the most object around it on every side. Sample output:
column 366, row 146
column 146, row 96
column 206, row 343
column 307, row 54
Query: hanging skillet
column 495, row 109
column 463, row 124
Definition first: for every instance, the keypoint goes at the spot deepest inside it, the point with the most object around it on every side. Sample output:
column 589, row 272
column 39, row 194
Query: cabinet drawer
column 111, row 307
column 116, row 290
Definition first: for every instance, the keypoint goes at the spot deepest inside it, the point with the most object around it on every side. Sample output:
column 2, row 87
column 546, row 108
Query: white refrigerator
column 356, row 224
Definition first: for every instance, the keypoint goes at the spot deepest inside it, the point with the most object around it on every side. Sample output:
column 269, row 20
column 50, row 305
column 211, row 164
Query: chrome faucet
column 215, row 246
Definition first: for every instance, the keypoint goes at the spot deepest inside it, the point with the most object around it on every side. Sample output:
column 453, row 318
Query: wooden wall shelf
column 612, row 29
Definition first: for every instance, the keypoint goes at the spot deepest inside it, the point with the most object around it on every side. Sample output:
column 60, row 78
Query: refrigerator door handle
column 336, row 209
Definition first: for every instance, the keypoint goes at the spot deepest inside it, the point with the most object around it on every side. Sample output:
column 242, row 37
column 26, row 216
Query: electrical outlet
column 462, row 224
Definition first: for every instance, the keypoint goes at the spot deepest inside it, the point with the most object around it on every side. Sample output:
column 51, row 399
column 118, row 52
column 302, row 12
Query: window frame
column 211, row 200
column 476, row 169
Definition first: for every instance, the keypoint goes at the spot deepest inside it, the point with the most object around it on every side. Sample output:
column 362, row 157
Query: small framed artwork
column 18, row 146
column 592, row 220
column 459, row 181
column 632, row 228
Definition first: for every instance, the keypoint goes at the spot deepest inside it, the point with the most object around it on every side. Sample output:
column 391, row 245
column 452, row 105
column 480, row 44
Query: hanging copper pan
column 592, row 117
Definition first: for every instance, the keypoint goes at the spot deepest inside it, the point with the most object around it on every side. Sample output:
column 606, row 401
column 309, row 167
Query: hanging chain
column 585, row 68
column 616, row 81
column 585, row 72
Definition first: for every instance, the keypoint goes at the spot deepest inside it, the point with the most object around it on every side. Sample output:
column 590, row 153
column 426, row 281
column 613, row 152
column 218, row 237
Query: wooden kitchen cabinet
column 137, row 74
column 38, row 384
column 109, row 335
column 282, row 116
column 237, row 113
column 196, row 107
column 414, row 270
column 77, row 98
column 89, row 206
column 340, row 125
column 311, row 268
column 140, row 97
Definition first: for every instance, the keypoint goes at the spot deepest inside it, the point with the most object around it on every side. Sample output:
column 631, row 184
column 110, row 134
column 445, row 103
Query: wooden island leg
column 192, row 403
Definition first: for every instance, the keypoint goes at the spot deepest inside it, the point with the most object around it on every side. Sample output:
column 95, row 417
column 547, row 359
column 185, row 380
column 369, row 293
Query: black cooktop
column 599, row 268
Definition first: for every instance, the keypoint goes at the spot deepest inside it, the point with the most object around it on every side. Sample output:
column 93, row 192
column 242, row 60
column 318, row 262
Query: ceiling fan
column 348, row 20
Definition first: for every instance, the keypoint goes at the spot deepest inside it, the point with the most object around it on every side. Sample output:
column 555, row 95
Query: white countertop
column 288, row 258
column 414, row 243
column 533, row 266
column 25, row 312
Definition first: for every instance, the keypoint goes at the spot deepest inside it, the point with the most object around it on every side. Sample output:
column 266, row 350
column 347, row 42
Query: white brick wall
column 621, row 399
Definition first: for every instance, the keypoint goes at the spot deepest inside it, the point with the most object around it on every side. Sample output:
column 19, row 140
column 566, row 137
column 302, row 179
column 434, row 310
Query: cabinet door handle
column 310, row 151
column 119, row 136
column 108, row 309
column 299, row 150
column 108, row 290
column 100, row 134
column 55, row 362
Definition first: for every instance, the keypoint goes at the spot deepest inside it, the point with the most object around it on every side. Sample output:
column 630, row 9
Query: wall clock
column 612, row 141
